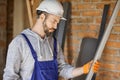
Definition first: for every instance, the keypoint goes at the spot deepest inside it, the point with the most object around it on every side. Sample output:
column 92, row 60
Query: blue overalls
column 44, row 70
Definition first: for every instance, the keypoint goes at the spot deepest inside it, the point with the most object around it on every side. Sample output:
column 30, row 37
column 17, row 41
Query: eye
column 54, row 21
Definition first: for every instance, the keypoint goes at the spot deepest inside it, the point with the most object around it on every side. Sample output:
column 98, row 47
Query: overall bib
column 44, row 70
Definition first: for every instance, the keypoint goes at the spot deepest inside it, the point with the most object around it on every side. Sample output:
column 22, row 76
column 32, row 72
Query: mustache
column 52, row 29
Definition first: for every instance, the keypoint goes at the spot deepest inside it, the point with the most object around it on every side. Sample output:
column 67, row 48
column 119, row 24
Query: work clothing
column 20, row 62
column 44, row 70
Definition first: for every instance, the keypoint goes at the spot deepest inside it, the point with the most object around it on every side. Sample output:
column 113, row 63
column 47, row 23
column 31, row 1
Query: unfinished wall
column 10, row 9
column 85, row 22
column 3, row 20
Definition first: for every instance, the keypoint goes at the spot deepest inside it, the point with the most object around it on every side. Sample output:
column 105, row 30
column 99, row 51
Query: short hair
column 39, row 12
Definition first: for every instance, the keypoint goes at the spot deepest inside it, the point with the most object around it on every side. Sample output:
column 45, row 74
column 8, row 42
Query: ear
column 42, row 17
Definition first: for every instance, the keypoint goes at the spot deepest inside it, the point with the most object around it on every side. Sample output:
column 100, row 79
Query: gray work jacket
column 20, row 63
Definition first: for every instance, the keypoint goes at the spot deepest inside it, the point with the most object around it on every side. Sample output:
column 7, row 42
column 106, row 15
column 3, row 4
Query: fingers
column 96, row 66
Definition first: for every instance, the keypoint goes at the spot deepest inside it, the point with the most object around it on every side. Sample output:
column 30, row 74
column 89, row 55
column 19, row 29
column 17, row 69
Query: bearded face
column 46, row 29
column 50, row 24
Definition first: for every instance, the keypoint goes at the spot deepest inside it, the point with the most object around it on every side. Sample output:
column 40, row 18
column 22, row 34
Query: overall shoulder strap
column 31, row 47
column 55, row 48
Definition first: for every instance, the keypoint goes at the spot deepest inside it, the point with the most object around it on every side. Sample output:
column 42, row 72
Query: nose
column 56, row 25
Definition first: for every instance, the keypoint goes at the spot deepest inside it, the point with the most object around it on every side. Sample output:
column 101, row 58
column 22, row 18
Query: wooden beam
column 29, row 13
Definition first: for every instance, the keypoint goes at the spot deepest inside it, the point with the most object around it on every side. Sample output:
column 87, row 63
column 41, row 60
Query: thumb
column 86, row 67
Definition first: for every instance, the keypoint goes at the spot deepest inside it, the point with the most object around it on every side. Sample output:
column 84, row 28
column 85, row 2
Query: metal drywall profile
column 103, row 22
column 60, row 33
column 104, row 39
column 102, row 29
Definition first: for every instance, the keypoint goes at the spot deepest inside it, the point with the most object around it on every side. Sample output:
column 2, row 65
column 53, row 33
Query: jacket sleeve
column 64, row 69
column 12, row 67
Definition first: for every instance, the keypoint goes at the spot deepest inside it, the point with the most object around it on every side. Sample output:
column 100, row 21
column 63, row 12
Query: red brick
column 116, row 28
column 100, row 6
column 119, row 13
column 79, row 27
column 86, row 0
column 110, row 51
column 75, row 13
column 110, row 66
column 3, row 15
column 113, row 44
column 94, row 0
column 108, row 75
column 98, row 20
column 117, row 20
column 2, row 44
column 85, row 20
column 93, row 27
column 87, row 34
column 114, row 37
column 3, row 11
column 74, row 7
column 86, row 6
column 91, row 13
column 111, row 58
column 106, row 0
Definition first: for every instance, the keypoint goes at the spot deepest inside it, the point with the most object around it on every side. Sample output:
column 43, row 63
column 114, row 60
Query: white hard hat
column 51, row 6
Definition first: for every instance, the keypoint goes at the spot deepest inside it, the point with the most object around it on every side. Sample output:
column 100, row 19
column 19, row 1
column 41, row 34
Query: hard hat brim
column 62, row 18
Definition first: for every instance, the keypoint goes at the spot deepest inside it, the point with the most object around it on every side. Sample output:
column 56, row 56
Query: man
column 36, row 55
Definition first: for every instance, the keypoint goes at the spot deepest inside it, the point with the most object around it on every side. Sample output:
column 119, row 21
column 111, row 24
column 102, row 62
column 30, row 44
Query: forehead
column 54, row 17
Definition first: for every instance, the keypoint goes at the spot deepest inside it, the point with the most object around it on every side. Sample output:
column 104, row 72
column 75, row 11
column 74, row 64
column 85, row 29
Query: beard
column 46, row 30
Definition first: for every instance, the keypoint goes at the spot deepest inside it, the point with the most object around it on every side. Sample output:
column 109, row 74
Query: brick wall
column 10, row 7
column 85, row 22
column 3, row 13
